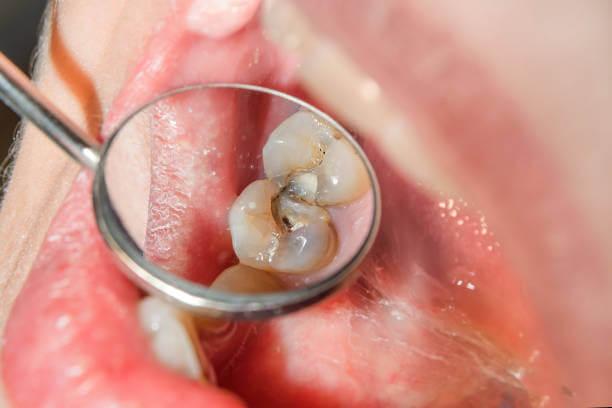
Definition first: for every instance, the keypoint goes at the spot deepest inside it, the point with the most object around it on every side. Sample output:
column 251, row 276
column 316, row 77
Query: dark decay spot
column 287, row 222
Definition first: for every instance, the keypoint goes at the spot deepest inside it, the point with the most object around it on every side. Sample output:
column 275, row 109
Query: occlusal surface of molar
column 281, row 224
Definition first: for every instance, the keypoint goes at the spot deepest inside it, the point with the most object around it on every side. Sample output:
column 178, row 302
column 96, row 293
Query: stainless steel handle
column 20, row 94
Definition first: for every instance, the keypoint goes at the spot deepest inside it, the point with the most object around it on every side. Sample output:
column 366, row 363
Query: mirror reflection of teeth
column 279, row 224
column 244, row 279
column 174, row 340
column 274, row 232
column 313, row 159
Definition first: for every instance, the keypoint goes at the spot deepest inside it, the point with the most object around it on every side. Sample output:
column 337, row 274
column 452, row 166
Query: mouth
column 437, row 317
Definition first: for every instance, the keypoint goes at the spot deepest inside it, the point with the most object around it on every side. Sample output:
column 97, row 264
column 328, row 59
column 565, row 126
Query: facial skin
column 551, row 68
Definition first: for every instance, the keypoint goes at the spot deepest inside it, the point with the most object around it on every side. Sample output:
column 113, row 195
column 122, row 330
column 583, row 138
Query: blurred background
column 19, row 27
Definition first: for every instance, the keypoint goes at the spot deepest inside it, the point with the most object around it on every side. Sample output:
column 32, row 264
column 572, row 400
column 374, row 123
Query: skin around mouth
column 437, row 318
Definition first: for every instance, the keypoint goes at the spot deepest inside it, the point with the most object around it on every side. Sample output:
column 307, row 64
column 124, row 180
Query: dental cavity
column 281, row 224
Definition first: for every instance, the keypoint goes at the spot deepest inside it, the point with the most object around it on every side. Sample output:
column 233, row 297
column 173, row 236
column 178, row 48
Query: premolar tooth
column 314, row 162
column 255, row 235
column 287, row 237
column 296, row 144
column 237, row 279
column 342, row 176
column 174, row 339
column 303, row 186
column 310, row 240
column 244, row 279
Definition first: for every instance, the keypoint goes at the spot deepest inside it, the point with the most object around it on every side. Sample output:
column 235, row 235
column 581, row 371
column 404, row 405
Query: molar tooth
column 244, row 279
column 237, row 279
column 255, row 235
column 342, row 176
column 310, row 240
column 272, row 232
column 173, row 339
column 296, row 144
column 303, row 186
column 304, row 147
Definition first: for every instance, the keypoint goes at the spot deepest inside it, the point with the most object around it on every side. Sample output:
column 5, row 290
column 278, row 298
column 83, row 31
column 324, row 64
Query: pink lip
column 437, row 317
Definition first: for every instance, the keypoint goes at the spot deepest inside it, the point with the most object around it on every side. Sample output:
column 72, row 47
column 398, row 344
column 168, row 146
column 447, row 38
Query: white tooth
column 342, row 175
column 304, row 146
column 244, row 279
column 273, row 232
column 237, row 279
column 255, row 235
column 296, row 144
column 173, row 339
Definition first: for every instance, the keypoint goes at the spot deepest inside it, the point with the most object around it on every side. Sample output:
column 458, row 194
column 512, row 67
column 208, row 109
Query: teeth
column 296, row 144
column 271, row 231
column 236, row 279
column 307, row 155
column 173, row 339
column 255, row 235
column 244, row 279
column 342, row 175
column 303, row 186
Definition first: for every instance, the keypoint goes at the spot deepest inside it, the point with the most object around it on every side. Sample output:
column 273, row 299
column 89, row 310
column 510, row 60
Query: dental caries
column 280, row 224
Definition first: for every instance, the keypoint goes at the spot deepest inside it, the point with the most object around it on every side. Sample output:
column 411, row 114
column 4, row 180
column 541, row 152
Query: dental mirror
column 228, row 200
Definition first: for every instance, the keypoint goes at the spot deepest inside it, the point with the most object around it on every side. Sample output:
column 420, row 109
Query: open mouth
column 437, row 317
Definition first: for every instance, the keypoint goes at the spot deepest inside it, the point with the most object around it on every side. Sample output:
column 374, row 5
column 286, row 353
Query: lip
column 415, row 243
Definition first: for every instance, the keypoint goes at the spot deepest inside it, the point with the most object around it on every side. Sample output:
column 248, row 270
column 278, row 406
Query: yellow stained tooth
column 272, row 232
column 255, row 235
column 238, row 279
column 308, row 157
column 303, row 186
column 174, row 340
column 244, row 279
column 296, row 144
column 342, row 176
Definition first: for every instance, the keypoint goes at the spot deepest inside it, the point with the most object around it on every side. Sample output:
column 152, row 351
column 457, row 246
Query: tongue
column 435, row 319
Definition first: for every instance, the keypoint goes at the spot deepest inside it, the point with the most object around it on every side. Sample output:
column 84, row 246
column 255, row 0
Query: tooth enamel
column 255, row 235
column 310, row 240
column 237, row 279
column 342, row 176
column 270, row 231
column 244, row 279
column 173, row 339
column 296, row 144
column 303, row 147
column 303, row 186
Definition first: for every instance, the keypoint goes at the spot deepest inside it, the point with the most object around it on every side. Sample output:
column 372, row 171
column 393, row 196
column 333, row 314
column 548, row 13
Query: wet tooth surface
column 171, row 341
column 309, row 158
column 244, row 279
column 255, row 235
column 271, row 231
column 296, row 144
column 342, row 176
column 303, row 186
